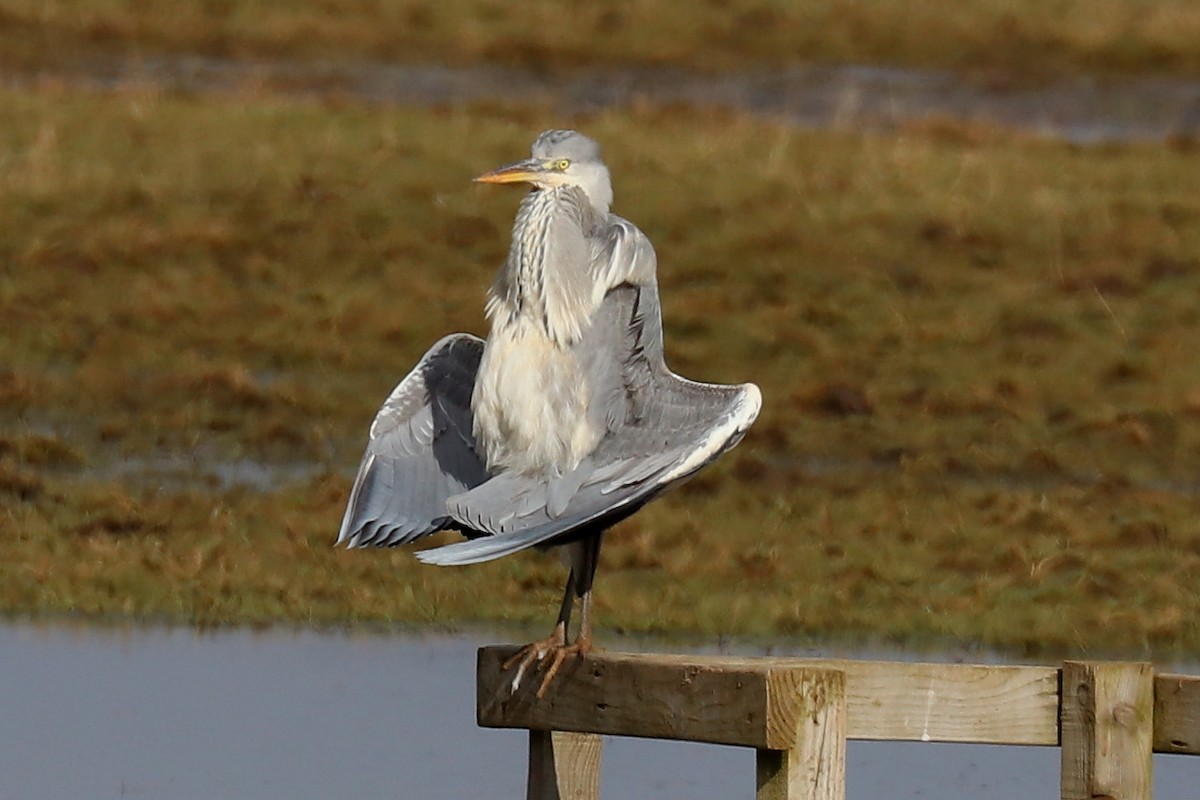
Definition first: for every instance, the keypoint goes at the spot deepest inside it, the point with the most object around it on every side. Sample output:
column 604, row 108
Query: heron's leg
column 587, row 568
column 564, row 610
column 580, row 647
column 584, row 637
column 535, row 652
column 585, row 558
column 551, row 652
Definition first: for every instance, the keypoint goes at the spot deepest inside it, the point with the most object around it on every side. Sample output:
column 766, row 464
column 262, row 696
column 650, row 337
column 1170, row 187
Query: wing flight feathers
column 606, row 493
column 421, row 472
column 420, row 451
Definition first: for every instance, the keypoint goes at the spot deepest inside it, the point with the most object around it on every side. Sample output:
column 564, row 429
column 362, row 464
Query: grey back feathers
column 552, row 430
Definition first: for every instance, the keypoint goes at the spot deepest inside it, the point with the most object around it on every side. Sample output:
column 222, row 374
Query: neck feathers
column 545, row 286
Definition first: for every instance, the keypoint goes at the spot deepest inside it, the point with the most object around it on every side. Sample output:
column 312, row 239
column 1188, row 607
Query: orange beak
column 520, row 172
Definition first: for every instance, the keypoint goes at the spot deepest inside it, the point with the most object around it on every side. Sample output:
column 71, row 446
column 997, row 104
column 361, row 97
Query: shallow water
column 187, row 470
column 1080, row 109
column 170, row 713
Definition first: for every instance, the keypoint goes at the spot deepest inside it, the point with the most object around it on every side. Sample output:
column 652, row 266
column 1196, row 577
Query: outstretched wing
column 663, row 428
column 420, row 452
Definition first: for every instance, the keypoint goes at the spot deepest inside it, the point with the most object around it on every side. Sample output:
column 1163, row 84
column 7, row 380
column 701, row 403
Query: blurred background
column 959, row 251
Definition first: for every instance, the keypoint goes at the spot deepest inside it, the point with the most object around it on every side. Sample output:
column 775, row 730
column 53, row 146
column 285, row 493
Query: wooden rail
column 1108, row 717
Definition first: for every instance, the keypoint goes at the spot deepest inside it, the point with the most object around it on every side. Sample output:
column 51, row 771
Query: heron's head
column 560, row 158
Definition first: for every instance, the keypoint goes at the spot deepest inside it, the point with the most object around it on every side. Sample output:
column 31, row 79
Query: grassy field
column 996, row 39
column 977, row 352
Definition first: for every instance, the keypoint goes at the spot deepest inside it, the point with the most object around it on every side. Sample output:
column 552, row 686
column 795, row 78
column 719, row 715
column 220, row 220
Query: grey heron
column 565, row 420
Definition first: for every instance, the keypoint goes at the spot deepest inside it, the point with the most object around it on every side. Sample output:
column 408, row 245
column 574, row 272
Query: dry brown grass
column 981, row 394
column 1001, row 39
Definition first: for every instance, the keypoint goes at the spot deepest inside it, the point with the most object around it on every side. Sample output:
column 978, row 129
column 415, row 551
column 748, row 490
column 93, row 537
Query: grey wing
column 621, row 253
column 668, row 428
column 420, row 451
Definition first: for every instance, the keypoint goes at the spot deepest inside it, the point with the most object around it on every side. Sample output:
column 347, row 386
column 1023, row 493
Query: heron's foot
column 580, row 648
column 532, row 654
column 548, row 654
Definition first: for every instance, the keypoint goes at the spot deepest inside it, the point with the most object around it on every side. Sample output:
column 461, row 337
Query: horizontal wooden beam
column 755, row 704
column 1177, row 714
column 923, row 702
column 885, row 700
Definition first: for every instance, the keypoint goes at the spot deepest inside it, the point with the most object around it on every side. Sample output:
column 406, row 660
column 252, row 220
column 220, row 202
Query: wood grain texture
column 753, row 704
column 912, row 701
column 814, row 768
column 952, row 702
column 1177, row 714
column 563, row 766
column 1107, row 730
column 884, row 700
column 798, row 714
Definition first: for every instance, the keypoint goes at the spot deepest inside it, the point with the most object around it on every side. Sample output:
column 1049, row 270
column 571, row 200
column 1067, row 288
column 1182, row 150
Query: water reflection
column 188, row 469
column 169, row 713
column 1080, row 109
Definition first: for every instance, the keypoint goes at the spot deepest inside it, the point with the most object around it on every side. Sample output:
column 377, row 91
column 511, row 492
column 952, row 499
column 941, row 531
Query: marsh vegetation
column 977, row 348
column 995, row 39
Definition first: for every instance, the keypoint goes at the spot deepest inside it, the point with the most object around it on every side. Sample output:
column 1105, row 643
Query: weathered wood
column 951, row 702
column 1177, row 714
column 798, row 713
column 884, row 700
column 815, row 767
column 563, row 766
column 1107, row 730
column 755, row 704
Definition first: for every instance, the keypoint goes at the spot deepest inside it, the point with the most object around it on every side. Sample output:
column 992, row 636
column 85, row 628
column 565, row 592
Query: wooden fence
column 1108, row 717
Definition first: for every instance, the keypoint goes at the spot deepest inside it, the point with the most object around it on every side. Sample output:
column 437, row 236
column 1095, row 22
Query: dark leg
column 587, row 566
column 534, row 652
column 564, row 610
column 554, row 650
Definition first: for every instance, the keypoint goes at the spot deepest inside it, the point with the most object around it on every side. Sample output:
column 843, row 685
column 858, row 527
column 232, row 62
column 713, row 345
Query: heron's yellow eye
column 562, row 164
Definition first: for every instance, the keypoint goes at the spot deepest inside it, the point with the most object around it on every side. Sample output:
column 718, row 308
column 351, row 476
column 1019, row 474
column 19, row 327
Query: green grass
column 976, row 351
column 1010, row 38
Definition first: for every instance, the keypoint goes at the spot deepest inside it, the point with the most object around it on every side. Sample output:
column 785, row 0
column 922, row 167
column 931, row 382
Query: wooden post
column 814, row 768
column 1107, row 730
column 563, row 766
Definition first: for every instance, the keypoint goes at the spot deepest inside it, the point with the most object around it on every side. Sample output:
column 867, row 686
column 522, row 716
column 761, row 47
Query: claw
column 580, row 648
column 548, row 654
column 555, row 645
column 534, row 653
column 559, row 656
column 516, row 681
